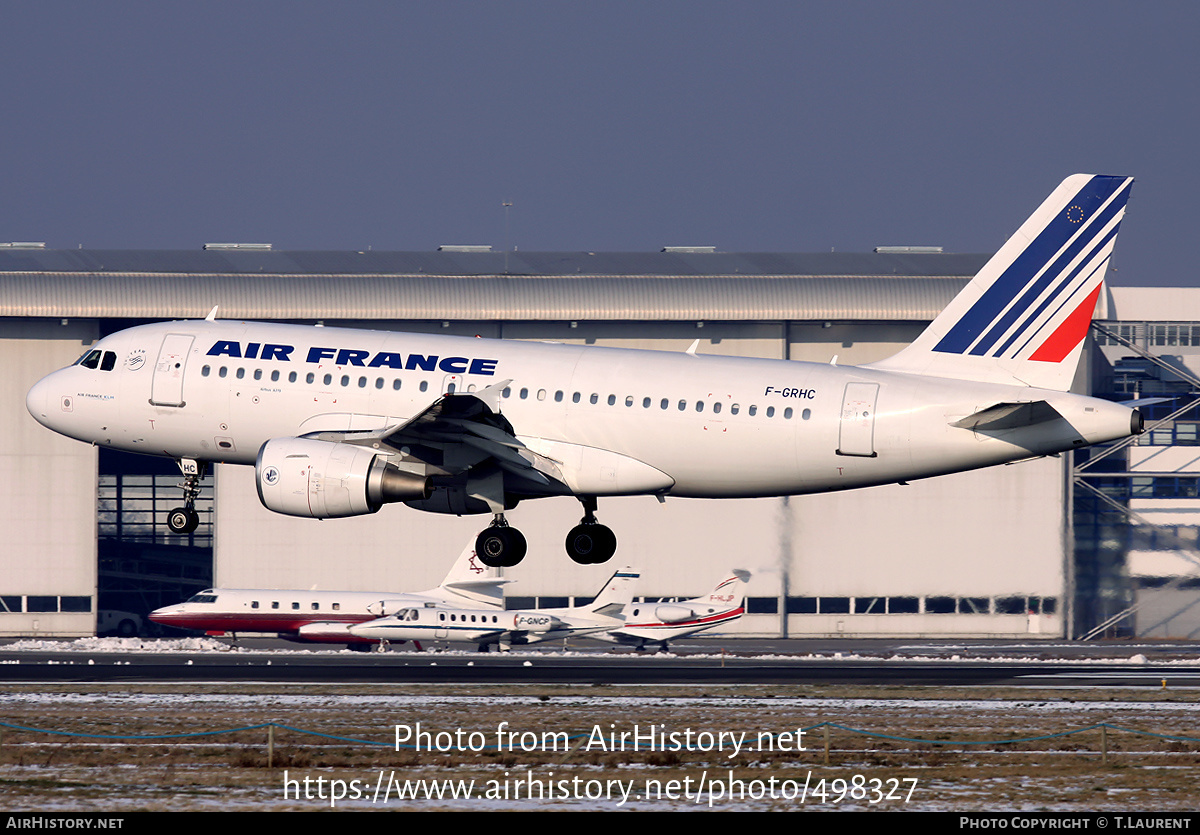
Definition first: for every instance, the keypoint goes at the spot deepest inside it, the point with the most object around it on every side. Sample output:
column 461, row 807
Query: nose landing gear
column 185, row 520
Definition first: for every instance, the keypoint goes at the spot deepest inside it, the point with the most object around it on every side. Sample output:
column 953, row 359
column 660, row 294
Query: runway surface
column 734, row 662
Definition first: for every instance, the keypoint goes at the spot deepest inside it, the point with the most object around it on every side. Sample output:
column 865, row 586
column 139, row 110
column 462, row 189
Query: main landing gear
column 185, row 520
column 588, row 543
column 499, row 545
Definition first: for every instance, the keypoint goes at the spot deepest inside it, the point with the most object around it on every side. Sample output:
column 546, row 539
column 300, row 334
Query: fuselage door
column 167, row 387
column 856, row 433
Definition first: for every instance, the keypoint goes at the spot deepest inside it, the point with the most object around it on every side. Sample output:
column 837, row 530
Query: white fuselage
column 318, row 616
column 615, row 421
column 484, row 626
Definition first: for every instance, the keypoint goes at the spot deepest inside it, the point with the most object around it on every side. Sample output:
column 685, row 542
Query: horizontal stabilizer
column 1146, row 401
column 1004, row 416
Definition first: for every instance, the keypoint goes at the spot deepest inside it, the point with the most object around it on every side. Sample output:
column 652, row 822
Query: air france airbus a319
column 339, row 422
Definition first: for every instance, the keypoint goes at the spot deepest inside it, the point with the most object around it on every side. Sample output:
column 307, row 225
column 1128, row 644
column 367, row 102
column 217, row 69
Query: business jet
column 326, row 616
column 658, row 623
column 339, row 422
column 487, row 626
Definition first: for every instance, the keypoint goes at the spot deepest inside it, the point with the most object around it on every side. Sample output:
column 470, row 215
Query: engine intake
column 326, row 480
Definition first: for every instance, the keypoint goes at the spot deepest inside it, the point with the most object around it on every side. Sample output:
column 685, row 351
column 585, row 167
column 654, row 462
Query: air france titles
column 354, row 357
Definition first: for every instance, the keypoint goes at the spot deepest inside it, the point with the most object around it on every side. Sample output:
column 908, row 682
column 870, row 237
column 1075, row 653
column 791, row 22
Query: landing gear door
column 167, row 387
column 856, row 434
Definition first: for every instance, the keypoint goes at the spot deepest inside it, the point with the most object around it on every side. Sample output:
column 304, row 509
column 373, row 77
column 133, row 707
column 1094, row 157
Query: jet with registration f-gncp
column 339, row 422
column 486, row 627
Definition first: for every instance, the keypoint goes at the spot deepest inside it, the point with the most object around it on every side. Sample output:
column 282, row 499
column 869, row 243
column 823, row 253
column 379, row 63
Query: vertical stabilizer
column 616, row 594
column 470, row 581
column 1022, row 320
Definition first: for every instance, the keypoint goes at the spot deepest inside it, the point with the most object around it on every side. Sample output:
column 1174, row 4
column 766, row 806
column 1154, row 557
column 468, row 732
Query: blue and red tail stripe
column 1041, row 273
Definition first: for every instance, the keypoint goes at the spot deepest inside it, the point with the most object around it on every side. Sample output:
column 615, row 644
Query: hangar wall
column 47, row 493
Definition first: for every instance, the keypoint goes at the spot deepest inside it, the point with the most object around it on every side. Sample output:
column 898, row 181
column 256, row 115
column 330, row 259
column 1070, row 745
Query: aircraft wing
column 460, row 431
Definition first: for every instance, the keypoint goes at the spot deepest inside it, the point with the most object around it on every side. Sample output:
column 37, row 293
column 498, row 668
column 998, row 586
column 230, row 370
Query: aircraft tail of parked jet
column 470, row 581
column 1023, row 318
column 648, row 623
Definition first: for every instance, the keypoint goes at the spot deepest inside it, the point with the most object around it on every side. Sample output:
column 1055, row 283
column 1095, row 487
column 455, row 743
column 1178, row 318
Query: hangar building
column 991, row 553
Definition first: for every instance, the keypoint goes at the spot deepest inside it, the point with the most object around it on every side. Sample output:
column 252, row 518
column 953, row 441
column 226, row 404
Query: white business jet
column 339, row 422
column 487, row 626
column 657, row 623
column 325, row 617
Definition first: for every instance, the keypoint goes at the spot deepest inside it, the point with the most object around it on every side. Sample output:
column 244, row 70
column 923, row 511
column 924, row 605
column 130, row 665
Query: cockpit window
column 104, row 360
column 203, row 597
column 90, row 360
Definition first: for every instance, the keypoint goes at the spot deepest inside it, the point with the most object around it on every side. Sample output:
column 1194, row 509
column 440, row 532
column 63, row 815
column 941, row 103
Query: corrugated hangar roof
column 543, row 286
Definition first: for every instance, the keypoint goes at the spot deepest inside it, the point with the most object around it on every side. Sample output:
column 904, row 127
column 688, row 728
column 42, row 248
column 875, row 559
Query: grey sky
column 751, row 126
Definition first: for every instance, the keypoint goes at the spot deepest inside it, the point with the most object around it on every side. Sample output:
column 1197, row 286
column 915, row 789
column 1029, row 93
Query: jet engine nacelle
column 324, row 479
column 673, row 614
column 456, row 500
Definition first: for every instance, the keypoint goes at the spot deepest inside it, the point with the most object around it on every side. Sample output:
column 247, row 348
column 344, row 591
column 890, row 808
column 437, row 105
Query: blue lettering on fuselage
column 350, row 356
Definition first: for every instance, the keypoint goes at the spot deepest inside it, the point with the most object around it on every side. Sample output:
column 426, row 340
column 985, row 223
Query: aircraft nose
column 38, row 401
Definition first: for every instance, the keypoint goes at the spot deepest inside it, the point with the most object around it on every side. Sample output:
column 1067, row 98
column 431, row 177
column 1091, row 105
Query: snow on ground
column 910, row 654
